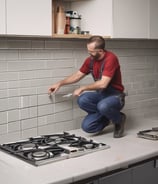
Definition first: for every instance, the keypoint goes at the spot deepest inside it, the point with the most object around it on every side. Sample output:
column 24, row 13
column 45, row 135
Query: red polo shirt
column 111, row 69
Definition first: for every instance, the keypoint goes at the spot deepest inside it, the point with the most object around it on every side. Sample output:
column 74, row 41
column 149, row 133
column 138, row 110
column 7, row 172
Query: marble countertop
column 122, row 152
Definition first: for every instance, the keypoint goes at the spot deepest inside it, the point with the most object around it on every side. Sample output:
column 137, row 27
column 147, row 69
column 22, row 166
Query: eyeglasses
column 94, row 51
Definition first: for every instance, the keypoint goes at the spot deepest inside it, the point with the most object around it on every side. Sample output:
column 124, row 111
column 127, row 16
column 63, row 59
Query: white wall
column 28, row 67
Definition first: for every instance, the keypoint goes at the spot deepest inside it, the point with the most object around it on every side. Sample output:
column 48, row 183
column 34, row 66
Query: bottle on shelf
column 67, row 25
column 75, row 22
column 60, row 20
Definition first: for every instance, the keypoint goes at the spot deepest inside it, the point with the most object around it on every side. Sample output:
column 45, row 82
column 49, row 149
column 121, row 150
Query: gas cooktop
column 50, row 148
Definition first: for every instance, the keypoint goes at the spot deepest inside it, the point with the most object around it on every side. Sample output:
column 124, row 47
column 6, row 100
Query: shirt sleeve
column 85, row 67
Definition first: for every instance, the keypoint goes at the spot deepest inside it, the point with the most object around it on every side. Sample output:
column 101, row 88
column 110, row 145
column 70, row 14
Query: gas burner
column 27, row 146
column 60, row 139
column 54, row 140
column 85, row 144
column 51, row 148
column 19, row 146
column 39, row 154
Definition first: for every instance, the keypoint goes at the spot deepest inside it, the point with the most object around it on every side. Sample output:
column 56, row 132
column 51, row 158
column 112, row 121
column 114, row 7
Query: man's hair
column 99, row 42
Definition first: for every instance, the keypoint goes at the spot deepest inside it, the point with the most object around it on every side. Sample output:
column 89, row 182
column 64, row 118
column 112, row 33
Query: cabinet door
column 123, row 177
column 96, row 16
column 29, row 17
column 131, row 18
column 153, row 19
column 115, row 18
column 92, row 182
column 2, row 17
column 145, row 173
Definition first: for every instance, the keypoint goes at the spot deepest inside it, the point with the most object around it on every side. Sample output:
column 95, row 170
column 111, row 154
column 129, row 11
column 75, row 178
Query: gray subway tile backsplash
column 3, row 117
column 29, row 66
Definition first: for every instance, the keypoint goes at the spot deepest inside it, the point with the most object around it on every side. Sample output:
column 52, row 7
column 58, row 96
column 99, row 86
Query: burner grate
column 50, row 148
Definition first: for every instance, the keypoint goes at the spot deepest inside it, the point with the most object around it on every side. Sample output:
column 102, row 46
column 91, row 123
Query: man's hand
column 78, row 92
column 54, row 88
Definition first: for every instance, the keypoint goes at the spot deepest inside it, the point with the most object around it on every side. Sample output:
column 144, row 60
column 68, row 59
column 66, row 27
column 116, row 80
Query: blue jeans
column 101, row 106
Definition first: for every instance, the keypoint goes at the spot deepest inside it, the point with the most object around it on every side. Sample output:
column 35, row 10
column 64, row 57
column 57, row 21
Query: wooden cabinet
column 122, row 177
column 130, row 18
column 96, row 16
column 115, row 18
column 27, row 17
column 2, row 17
column 109, row 18
column 153, row 19
column 141, row 173
column 92, row 182
column 145, row 173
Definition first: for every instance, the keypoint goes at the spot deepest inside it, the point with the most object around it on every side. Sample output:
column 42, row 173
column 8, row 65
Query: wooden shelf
column 54, row 36
column 79, row 36
column 76, row 36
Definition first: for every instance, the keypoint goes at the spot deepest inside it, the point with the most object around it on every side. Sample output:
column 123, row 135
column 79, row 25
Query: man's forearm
column 71, row 79
column 101, row 84
column 93, row 86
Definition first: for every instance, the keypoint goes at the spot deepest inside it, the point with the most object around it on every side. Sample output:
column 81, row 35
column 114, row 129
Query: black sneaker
column 119, row 128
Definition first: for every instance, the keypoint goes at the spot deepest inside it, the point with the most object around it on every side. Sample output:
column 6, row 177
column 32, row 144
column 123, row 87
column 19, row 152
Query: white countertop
column 122, row 152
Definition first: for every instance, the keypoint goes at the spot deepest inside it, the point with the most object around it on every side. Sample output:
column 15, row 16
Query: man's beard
column 95, row 57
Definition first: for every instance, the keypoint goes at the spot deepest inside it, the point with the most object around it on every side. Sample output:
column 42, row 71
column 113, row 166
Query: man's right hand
column 53, row 89
column 50, row 90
